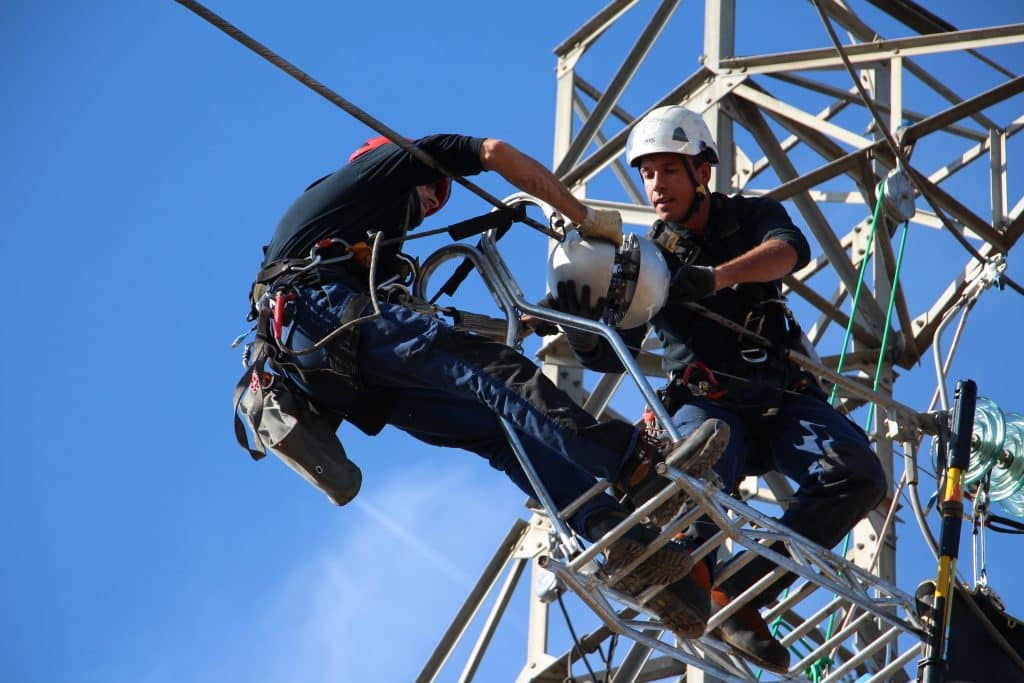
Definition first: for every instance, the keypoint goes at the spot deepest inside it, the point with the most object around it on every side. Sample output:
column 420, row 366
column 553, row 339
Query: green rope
column 888, row 318
column 856, row 293
column 817, row 671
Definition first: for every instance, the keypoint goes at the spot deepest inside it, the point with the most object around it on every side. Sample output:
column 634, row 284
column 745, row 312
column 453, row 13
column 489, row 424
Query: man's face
column 429, row 202
column 668, row 185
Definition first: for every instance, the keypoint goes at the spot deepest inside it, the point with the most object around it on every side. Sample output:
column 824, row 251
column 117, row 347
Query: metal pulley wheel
column 898, row 196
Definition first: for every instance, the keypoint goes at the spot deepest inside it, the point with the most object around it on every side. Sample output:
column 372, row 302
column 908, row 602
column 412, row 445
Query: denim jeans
column 839, row 478
column 447, row 387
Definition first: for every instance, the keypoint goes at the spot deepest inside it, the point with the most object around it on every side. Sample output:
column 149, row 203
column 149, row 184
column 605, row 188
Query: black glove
column 691, row 283
column 569, row 301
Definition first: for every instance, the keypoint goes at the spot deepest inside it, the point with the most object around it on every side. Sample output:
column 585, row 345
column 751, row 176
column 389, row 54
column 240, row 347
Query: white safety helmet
column 633, row 278
column 671, row 129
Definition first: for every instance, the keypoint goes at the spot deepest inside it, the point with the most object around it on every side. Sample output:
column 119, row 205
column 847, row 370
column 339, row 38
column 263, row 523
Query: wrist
column 588, row 219
column 720, row 278
column 582, row 343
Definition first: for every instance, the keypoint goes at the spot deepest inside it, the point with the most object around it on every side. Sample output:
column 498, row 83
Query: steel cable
column 348, row 107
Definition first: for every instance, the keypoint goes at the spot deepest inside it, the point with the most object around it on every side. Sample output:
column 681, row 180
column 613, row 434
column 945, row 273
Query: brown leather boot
column 685, row 606
column 640, row 482
column 669, row 563
column 747, row 633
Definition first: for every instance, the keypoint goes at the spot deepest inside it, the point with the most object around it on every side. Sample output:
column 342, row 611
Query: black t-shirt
column 375, row 192
column 687, row 336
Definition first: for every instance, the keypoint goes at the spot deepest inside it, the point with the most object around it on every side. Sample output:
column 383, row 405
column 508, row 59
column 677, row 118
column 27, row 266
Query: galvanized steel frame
column 730, row 90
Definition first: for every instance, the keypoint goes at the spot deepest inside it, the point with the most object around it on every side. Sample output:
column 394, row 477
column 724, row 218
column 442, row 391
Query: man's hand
column 692, row 283
column 578, row 303
column 569, row 301
column 602, row 225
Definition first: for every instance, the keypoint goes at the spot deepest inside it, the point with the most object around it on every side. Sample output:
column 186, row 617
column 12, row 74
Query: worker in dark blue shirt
column 728, row 254
column 439, row 384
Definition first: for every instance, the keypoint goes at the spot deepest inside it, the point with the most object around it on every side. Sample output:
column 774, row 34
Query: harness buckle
column 673, row 242
column 706, row 387
column 749, row 352
column 281, row 299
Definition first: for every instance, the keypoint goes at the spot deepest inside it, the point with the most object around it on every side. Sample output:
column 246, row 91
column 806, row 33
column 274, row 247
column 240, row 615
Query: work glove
column 692, row 283
column 578, row 303
column 604, row 225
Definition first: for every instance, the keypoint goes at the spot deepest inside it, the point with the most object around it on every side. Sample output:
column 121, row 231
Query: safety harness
column 280, row 417
column 765, row 367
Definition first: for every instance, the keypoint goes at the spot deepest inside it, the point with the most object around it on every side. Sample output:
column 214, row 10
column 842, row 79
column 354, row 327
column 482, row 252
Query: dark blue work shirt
column 687, row 336
column 374, row 192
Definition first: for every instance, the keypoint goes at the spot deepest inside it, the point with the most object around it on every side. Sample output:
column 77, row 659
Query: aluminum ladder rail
column 873, row 614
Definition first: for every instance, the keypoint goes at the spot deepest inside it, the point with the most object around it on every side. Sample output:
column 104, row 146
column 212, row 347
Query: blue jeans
column 448, row 388
column 839, row 478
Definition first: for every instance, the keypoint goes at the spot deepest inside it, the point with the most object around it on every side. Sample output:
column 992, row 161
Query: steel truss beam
column 821, row 158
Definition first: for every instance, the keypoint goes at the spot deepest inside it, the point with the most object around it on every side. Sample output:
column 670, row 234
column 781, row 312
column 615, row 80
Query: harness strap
column 252, row 379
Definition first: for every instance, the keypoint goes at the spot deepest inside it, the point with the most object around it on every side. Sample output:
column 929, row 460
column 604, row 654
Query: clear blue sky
column 147, row 158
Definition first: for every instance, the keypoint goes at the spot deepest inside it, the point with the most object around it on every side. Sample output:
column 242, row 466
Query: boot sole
column 700, row 466
column 751, row 657
column 668, row 564
column 683, row 619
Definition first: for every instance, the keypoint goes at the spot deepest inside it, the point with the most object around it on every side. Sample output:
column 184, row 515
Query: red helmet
column 443, row 187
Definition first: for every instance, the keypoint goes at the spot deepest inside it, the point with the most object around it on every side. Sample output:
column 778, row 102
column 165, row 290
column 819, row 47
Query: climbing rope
column 857, row 291
column 888, row 319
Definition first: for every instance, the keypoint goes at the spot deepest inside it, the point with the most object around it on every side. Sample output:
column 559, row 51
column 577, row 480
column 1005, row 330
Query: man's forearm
column 531, row 177
column 765, row 262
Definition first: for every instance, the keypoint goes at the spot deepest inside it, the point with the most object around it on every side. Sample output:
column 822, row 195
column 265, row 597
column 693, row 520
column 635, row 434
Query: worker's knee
column 865, row 483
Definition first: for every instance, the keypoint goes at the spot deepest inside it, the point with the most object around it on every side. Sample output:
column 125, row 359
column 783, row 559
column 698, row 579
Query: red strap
column 699, row 365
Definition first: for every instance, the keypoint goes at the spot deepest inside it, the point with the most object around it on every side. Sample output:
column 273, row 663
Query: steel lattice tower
column 825, row 161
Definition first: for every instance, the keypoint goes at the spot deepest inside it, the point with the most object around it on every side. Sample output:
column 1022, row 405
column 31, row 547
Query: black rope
column 348, row 107
column 577, row 645
column 612, row 642
column 897, row 151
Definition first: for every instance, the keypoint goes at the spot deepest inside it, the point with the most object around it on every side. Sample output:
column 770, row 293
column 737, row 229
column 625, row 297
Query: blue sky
column 148, row 158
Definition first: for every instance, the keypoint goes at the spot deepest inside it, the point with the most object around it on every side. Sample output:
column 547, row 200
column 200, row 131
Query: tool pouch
column 303, row 438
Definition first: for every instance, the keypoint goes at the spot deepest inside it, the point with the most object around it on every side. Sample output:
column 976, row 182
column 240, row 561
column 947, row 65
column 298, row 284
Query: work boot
column 685, row 606
column 747, row 633
column 640, row 482
column 669, row 563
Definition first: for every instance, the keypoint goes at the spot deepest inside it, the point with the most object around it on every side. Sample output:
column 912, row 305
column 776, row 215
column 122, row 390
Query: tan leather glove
column 602, row 225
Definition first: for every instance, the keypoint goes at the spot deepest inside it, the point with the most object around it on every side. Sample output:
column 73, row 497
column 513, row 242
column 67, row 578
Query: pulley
column 898, row 196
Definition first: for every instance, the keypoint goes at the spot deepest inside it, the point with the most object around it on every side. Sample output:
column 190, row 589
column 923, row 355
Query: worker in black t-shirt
column 728, row 254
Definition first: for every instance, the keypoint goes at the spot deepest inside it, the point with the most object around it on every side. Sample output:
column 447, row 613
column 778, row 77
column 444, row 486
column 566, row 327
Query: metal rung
column 850, row 664
column 849, row 588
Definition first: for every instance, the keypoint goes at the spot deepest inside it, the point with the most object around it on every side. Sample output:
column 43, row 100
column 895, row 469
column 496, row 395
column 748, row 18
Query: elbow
column 792, row 259
column 787, row 258
column 492, row 152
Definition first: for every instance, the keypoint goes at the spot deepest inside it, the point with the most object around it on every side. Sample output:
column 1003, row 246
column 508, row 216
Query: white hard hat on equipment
column 634, row 278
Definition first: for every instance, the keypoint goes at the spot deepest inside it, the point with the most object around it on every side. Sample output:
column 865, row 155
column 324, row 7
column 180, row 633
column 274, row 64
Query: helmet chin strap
column 699, row 191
